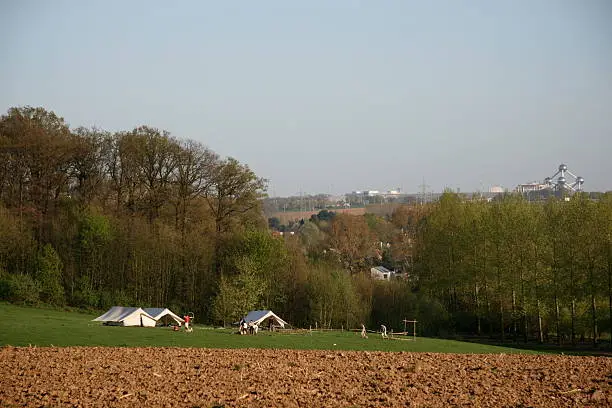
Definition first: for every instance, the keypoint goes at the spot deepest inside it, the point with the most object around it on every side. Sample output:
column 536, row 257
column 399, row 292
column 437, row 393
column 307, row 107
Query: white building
column 527, row 187
column 381, row 273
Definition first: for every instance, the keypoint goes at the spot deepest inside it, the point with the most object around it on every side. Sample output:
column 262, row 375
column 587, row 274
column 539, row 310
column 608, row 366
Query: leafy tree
column 350, row 236
column 234, row 192
column 274, row 223
column 21, row 288
column 195, row 165
column 238, row 294
column 36, row 150
column 265, row 258
column 50, row 276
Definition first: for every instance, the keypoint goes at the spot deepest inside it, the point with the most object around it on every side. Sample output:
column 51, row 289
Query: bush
column 107, row 299
column 5, row 285
column 121, row 298
column 21, row 288
column 433, row 317
column 50, row 276
column 85, row 296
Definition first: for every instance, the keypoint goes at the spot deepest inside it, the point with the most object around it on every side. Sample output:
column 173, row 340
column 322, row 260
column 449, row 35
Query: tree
column 238, row 294
column 234, row 191
column 87, row 169
column 192, row 178
column 36, row 150
column 50, row 276
column 156, row 160
column 94, row 236
column 262, row 256
column 350, row 236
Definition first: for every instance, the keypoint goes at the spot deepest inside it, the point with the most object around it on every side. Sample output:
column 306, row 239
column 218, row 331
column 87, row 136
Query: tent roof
column 258, row 316
column 159, row 312
column 119, row 313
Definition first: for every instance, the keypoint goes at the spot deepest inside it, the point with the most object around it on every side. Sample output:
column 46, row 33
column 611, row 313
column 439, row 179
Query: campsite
column 50, row 327
column 59, row 362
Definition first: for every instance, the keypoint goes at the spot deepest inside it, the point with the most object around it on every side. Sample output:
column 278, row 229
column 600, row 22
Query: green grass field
column 23, row 326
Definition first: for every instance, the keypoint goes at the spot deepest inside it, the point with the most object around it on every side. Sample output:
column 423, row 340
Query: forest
column 91, row 219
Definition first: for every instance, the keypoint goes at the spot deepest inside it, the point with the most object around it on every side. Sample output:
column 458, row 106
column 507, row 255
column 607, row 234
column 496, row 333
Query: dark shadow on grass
column 580, row 349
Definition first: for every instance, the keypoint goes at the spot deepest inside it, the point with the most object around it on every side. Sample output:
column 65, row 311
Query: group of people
column 248, row 328
column 383, row 331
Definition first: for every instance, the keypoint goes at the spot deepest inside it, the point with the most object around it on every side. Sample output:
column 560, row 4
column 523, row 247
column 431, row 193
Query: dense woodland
column 91, row 219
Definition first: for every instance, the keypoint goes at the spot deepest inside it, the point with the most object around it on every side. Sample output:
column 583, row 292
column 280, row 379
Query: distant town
column 562, row 183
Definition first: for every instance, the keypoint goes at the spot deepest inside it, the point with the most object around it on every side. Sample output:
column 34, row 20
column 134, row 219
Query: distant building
column 382, row 273
column 529, row 187
column 496, row 190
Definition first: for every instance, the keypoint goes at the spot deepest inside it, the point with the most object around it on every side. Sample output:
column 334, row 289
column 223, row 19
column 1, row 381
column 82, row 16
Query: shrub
column 85, row 296
column 50, row 276
column 22, row 288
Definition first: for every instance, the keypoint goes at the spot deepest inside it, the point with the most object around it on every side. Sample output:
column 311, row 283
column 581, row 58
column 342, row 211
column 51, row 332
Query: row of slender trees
column 528, row 270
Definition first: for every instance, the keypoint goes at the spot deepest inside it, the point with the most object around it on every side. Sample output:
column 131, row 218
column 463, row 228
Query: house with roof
column 382, row 273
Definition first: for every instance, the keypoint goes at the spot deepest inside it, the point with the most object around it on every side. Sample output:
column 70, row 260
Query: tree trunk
column 540, row 334
column 557, row 325
column 501, row 305
column 514, row 330
column 610, row 286
column 594, row 314
column 573, row 322
column 501, row 319
column 523, row 308
column 477, row 309
column 573, row 305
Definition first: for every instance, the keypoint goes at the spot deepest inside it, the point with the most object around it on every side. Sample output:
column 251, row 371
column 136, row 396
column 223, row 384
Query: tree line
column 95, row 218
column 519, row 269
column 92, row 218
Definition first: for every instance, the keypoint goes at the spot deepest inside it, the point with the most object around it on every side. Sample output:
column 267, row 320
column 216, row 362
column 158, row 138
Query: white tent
column 126, row 316
column 159, row 312
column 259, row 316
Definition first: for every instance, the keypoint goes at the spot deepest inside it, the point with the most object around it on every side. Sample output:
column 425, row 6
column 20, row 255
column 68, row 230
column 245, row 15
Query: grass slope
column 23, row 326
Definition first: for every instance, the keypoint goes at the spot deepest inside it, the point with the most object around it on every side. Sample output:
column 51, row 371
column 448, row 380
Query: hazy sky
column 334, row 96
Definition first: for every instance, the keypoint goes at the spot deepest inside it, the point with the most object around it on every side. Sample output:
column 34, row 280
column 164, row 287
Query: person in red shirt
column 187, row 320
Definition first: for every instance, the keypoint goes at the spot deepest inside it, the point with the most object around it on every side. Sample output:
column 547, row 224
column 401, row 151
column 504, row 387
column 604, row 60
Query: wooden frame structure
column 414, row 322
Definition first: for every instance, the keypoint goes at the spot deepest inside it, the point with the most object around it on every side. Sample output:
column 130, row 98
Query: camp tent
column 126, row 316
column 163, row 314
column 260, row 316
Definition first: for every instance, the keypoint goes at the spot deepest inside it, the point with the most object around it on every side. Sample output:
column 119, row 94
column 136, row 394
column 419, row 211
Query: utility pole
column 423, row 187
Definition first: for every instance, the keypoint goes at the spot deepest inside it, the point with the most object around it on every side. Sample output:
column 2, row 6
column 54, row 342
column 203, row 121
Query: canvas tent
column 260, row 316
column 126, row 316
column 161, row 314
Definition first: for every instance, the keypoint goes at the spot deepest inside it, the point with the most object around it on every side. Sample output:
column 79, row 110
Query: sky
column 333, row 96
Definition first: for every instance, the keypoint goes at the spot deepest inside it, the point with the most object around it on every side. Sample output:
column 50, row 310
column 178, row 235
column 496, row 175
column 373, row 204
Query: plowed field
column 97, row 377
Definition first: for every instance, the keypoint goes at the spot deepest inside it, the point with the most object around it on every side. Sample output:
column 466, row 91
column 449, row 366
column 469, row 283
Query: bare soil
column 131, row 377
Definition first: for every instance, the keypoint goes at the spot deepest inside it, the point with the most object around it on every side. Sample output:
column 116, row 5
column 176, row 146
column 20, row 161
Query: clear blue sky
column 334, row 96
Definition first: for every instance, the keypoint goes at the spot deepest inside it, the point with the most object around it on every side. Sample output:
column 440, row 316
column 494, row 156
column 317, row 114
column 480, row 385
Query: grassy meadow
column 24, row 326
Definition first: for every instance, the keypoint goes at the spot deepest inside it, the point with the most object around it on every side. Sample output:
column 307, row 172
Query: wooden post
column 414, row 322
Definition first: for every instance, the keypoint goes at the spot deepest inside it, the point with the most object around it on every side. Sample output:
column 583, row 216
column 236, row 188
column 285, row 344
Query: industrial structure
column 563, row 181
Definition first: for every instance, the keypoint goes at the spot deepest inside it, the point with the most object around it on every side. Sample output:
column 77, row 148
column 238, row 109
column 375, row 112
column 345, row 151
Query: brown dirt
column 97, row 377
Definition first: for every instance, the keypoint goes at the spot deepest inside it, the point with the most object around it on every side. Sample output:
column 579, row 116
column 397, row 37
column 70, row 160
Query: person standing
column 187, row 320
column 383, row 331
column 363, row 332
